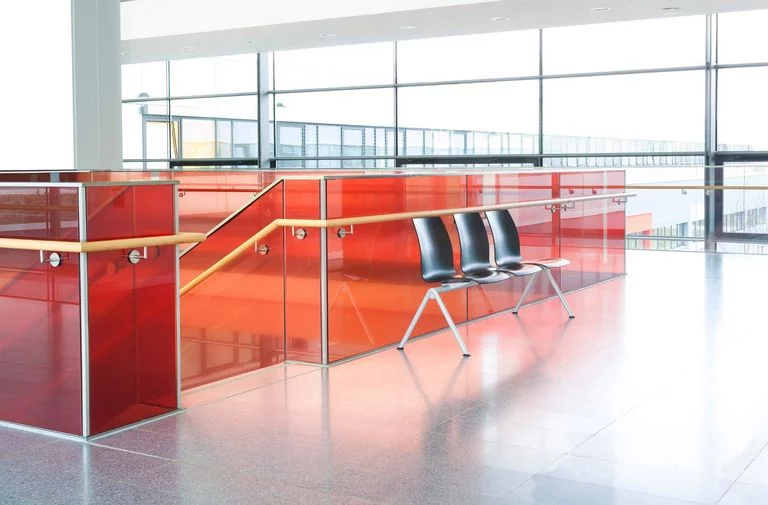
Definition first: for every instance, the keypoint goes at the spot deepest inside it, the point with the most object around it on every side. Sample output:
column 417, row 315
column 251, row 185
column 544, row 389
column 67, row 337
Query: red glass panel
column 129, row 211
column 233, row 322
column 40, row 381
column 536, row 227
column 374, row 275
column 39, row 213
column 131, row 308
column 592, row 234
column 302, row 274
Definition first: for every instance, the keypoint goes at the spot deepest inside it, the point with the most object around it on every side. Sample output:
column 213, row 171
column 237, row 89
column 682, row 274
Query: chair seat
column 486, row 277
column 520, row 269
column 549, row 262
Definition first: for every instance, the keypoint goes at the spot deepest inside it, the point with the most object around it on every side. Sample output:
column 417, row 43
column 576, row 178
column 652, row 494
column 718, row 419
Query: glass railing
column 670, row 211
column 88, row 339
column 316, row 291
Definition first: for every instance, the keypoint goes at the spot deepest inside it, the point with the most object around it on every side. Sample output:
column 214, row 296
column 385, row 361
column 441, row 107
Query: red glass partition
column 303, row 333
column 234, row 321
column 40, row 372
column 131, row 307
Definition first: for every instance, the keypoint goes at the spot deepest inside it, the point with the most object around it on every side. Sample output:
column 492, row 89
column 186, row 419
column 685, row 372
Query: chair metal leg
column 525, row 293
column 559, row 292
column 415, row 319
column 448, row 318
column 434, row 293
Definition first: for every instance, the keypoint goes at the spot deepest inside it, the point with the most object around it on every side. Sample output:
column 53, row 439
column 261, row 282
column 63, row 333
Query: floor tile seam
column 205, row 403
column 129, row 451
column 741, row 474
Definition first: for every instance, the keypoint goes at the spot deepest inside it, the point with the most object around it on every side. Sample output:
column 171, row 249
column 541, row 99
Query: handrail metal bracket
column 343, row 232
column 134, row 256
column 299, row 233
column 620, row 200
column 262, row 249
column 55, row 259
column 552, row 207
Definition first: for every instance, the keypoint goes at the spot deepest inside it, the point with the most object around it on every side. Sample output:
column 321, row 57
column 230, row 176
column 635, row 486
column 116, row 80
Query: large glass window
column 741, row 37
column 217, row 127
column 144, row 80
column 214, row 76
column 470, row 113
column 654, row 43
column 145, row 130
column 327, row 67
column 742, row 108
column 336, row 123
column 508, row 54
column 626, row 112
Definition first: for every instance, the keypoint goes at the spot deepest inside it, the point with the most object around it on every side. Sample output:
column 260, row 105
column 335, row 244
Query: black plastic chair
column 437, row 266
column 476, row 251
column 506, row 244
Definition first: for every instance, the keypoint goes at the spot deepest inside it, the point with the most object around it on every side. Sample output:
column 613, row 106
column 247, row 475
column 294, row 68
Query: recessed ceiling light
column 600, row 9
column 188, row 48
column 499, row 18
column 250, row 42
column 327, row 35
column 408, row 27
column 670, row 10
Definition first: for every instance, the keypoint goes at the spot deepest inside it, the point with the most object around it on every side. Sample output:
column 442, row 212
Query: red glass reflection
column 131, row 308
column 302, row 274
column 40, row 381
column 234, row 321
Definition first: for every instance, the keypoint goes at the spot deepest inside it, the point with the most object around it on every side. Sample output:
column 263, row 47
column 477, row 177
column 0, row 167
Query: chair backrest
column 475, row 248
column 435, row 249
column 506, row 240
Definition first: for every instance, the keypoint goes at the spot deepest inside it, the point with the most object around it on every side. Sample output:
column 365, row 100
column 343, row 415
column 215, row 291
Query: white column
column 96, row 84
column 60, row 85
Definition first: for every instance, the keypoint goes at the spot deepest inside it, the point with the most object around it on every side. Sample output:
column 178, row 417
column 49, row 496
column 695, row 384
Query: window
column 641, row 107
column 654, row 43
column 145, row 80
column 508, row 54
column 742, row 107
column 326, row 67
column 472, row 112
column 217, row 127
column 741, row 37
column 213, row 76
column 145, row 130
column 334, row 113
column 198, row 138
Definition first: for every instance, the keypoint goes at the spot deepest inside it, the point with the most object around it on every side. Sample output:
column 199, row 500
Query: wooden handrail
column 99, row 245
column 250, row 243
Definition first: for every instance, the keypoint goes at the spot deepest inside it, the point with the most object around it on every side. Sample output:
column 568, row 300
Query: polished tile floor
column 654, row 395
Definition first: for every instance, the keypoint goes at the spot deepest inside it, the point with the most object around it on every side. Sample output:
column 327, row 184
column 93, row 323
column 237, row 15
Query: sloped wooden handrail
column 99, row 245
column 251, row 242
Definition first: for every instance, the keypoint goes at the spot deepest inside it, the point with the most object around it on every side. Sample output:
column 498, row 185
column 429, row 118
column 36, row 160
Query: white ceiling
column 169, row 29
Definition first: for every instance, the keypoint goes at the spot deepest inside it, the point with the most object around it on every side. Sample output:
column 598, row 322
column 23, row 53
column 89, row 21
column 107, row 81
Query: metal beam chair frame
column 436, row 255
column 506, row 244
column 434, row 294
